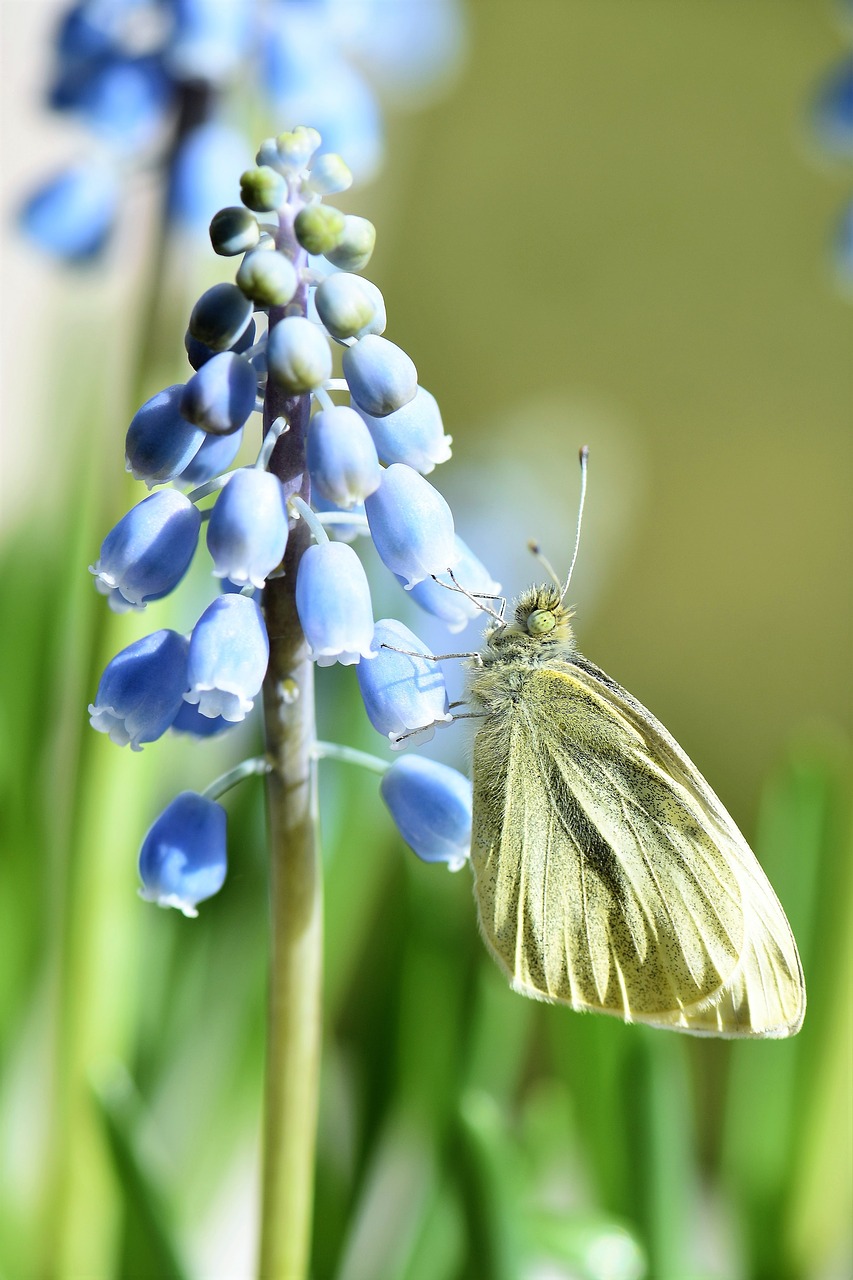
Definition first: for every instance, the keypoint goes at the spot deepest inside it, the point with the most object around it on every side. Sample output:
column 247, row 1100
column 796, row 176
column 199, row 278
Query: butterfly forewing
column 609, row 876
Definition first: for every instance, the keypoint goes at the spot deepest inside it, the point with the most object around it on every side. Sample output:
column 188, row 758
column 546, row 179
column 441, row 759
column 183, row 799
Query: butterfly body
column 608, row 875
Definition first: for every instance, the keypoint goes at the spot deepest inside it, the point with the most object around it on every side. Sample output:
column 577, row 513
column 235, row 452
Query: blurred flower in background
column 163, row 83
column 831, row 121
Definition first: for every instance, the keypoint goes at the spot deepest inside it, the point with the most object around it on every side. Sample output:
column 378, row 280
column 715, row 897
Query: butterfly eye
column 540, row 622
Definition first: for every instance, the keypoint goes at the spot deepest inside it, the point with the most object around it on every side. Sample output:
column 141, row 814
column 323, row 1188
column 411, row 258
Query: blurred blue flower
column 452, row 606
column 431, row 805
column 183, row 856
column 142, row 690
column 72, row 214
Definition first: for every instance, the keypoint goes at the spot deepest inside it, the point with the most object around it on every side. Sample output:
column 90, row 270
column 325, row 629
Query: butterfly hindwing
column 608, row 875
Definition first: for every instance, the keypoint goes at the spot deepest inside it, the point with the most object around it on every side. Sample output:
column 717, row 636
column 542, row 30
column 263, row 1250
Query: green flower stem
column 350, row 755
column 295, row 975
column 245, row 769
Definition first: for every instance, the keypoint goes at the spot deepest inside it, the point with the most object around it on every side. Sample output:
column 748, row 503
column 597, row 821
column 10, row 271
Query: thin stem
column 294, row 1018
column 245, row 769
column 309, row 518
column 350, row 755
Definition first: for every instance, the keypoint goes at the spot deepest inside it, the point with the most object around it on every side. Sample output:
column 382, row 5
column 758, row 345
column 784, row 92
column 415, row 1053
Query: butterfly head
column 541, row 623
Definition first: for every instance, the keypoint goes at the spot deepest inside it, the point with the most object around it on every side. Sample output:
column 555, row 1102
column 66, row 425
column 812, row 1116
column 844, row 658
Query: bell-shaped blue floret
column 379, row 374
column 202, row 173
column 411, row 526
column 452, row 606
column 333, row 603
column 404, row 696
column 183, row 857
column 160, row 443
column 413, row 434
column 215, row 456
column 72, row 215
column 142, row 690
column 431, row 805
column 247, row 532
column 122, row 99
column 198, row 353
column 228, row 657
column 342, row 457
column 298, row 355
column 220, row 396
column 150, row 549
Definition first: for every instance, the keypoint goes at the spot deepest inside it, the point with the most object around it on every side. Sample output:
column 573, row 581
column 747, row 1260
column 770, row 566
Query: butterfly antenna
column 584, row 459
column 534, row 548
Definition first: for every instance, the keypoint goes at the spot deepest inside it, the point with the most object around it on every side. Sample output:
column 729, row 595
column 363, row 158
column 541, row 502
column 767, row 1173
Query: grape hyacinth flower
column 295, row 592
column 431, row 804
column 183, row 856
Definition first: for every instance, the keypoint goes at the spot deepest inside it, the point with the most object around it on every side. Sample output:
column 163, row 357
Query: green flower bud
column 263, row 189
column 267, row 277
column 296, row 148
column 354, row 246
column 319, row 228
column 233, row 230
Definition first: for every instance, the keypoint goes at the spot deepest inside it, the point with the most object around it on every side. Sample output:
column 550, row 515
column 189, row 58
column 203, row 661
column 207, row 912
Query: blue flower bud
column 228, row 657
column 198, row 353
column 142, row 690
column 350, row 306
column 341, row 457
column 454, row 608
column 298, row 355
column 183, row 856
column 247, row 531
column 380, row 376
column 123, row 100
column 413, row 434
column 190, row 720
column 233, row 230
column 213, row 458
column 411, row 526
column 73, row 214
column 220, row 396
column 219, row 316
column 160, row 443
column 431, row 805
column 333, row 603
column 150, row 549
column 402, row 693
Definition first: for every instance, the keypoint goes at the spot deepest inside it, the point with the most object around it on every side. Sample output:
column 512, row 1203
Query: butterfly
column 608, row 876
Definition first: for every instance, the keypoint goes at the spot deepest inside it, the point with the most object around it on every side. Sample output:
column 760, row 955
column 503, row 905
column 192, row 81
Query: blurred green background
column 613, row 231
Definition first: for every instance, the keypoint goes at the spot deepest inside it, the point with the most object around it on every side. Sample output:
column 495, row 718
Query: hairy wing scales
column 572, row 902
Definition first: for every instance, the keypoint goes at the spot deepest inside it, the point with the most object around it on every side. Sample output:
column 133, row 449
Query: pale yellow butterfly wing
column 609, row 876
